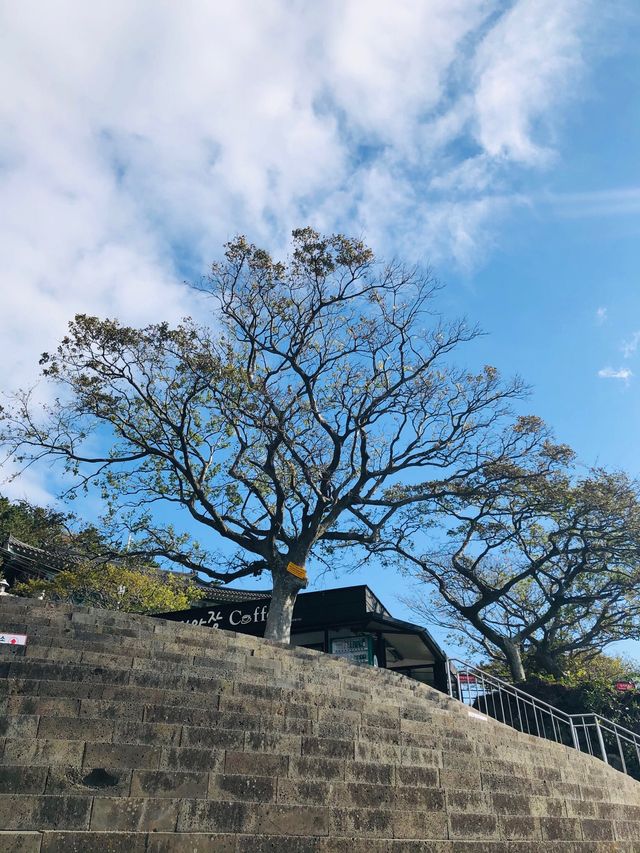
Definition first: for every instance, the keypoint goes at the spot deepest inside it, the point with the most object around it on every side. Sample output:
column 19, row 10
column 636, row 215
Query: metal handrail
column 590, row 733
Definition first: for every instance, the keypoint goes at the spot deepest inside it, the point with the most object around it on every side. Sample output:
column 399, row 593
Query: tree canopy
column 116, row 587
column 319, row 403
column 538, row 572
column 59, row 533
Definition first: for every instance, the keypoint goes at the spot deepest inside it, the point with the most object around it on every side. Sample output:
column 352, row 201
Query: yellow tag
column 297, row 571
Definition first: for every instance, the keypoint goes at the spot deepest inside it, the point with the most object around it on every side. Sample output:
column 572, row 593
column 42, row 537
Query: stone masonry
column 125, row 734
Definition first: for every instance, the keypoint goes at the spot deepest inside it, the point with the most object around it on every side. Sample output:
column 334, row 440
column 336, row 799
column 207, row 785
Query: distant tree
column 116, row 587
column 537, row 574
column 319, row 404
column 56, row 532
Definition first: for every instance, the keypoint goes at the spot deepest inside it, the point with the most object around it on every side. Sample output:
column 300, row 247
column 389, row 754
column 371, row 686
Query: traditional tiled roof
column 228, row 595
column 23, row 557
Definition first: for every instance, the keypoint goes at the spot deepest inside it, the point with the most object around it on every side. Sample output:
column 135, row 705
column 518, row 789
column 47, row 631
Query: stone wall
column 124, row 733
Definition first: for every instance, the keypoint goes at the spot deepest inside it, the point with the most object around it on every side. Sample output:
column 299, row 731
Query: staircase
column 125, row 733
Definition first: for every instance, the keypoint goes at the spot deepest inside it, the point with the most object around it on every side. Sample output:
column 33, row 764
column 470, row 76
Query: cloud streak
column 621, row 374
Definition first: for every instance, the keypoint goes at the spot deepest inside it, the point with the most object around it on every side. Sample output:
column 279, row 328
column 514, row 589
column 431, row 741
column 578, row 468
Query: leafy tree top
column 321, row 401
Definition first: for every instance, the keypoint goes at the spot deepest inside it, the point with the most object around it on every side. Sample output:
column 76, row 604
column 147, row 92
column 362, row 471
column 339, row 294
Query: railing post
column 601, row 741
column 449, row 684
column 574, row 736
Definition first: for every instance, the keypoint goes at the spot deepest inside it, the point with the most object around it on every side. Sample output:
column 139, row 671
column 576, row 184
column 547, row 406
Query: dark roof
column 228, row 595
column 21, row 558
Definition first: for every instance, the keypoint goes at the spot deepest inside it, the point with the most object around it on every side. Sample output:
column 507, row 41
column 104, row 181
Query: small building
column 350, row 622
column 22, row 562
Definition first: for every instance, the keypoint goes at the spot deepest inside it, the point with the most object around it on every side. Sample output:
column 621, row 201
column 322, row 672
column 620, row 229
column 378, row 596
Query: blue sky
column 497, row 141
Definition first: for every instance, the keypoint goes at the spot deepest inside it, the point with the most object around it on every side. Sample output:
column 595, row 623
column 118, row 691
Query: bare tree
column 320, row 403
column 537, row 571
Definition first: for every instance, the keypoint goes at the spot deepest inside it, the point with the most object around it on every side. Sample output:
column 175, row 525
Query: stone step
column 174, row 738
column 265, row 696
column 253, row 815
column 208, row 751
column 304, row 718
column 249, row 670
column 246, row 672
column 146, row 628
column 162, row 842
column 177, row 726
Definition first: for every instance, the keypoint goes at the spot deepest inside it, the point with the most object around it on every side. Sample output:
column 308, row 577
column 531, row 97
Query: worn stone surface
column 122, row 733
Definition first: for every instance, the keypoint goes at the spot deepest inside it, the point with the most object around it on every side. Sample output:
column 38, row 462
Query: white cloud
column 622, row 373
column 622, row 201
column 521, row 68
column 601, row 315
column 137, row 137
column 629, row 347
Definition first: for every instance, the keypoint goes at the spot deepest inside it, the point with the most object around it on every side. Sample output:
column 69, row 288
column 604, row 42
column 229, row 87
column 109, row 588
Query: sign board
column 248, row 617
column 357, row 650
column 625, row 685
column 13, row 639
column 297, row 571
column 466, row 678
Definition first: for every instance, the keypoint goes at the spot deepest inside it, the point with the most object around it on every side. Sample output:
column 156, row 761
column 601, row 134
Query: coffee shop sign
column 233, row 619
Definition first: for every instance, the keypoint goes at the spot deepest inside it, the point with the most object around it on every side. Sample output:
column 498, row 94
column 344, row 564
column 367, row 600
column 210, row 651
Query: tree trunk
column 514, row 660
column 283, row 597
column 547, row 663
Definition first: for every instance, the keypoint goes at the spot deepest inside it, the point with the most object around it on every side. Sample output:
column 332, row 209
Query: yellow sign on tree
column 297, row 571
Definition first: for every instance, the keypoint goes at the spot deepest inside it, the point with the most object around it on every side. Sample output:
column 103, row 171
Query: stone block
column 372, row 774
column 125, row 755
column 460, row 780
column 597, row 830
column 327, row 769
column 431, row 799
column 236, row 788
column 191, row 842
column 374, row 753
column 20, row 842
column 215, row 738
column 22, row 726
column 22, row 779
column 361, row 795
column 28, row 812
column 111, row 709
column 627, row 830
column 93, row 842
column 42, row 752
column 274, row 742
column 255, row 764
column 134, row 815
column 475, row 802
column 281, row 844
column 208, row 816
column 76, row 728
column 303, row 792
column 520, row 827
column 560, row 829
column 169, row 783
column 184, row 758
column 473, row 827
column 417, row 824
column 428, row 777
column 277, row 819
column 157, row 734
column 362, row 823
column 107, row 782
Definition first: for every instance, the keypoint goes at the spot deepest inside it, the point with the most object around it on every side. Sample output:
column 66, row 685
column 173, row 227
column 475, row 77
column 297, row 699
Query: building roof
column 229, row 595
column 20, row 558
